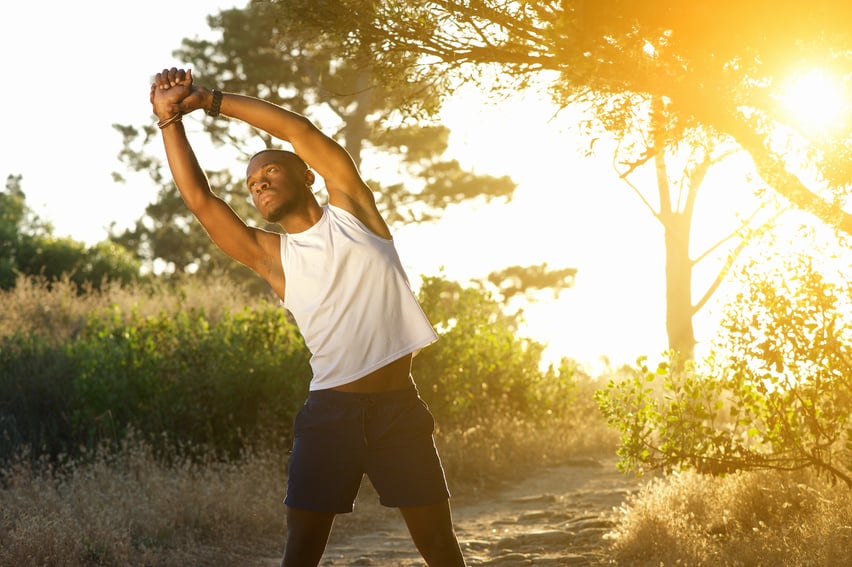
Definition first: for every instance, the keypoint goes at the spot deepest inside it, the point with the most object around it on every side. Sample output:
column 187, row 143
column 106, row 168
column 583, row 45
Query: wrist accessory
column 216, row 104
column 176, row 117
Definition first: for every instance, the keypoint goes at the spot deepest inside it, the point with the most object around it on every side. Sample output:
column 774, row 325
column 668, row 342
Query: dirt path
column 557, row 517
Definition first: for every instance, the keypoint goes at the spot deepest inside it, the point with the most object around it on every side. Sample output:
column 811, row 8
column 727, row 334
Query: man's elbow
column 199, row 202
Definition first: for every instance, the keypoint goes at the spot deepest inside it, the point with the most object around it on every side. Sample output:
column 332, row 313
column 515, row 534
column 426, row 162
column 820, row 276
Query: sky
column 73, row 69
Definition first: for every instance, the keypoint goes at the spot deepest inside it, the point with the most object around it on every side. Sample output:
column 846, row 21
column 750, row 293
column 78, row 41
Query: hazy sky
column 72, row 69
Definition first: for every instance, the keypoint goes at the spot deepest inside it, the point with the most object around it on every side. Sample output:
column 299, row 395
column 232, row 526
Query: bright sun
column 815, row 99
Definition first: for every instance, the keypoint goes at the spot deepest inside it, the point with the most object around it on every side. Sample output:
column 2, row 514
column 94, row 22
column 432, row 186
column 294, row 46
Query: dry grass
column 126, row 508
column 764, row 518
column 57, row 311
column 482, row 458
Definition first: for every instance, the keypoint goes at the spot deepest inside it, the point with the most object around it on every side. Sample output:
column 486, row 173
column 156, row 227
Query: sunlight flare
column 815, row 99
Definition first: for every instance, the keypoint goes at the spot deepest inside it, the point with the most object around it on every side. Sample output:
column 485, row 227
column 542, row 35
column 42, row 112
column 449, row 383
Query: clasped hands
column 173, row 95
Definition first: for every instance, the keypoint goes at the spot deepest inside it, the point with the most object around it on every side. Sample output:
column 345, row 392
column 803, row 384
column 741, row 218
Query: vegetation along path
column 558, row 516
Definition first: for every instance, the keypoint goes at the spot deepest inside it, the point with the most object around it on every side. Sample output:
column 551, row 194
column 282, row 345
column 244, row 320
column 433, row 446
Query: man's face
column 276, row 184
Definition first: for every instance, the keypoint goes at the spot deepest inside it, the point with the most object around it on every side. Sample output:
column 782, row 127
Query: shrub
column 481, row 367
column 79, row 369
column 221, row 385
column 36, row 392
column 775, row 394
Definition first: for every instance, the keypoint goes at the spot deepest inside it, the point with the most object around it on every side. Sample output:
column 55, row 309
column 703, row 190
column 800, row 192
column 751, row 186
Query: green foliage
column 218, row 386
column 223, row 385
column 481, row 367
column 36, row 395
column 185, row 371
column 776, row 394
column 788, row 357
column 517, row 280
column 52, row 258
column 28, row 247
column 666, row 416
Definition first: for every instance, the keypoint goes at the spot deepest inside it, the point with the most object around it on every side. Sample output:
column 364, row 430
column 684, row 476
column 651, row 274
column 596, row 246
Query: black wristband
column 217, row 103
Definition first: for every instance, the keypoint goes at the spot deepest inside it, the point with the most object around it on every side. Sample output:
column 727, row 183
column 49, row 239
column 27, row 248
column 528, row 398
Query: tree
column 657, row 71
column 775, row 394
column 12, row 214
column 28, row 247
column 513, row 281
column 265, row 51
column 705, row 66
column 679, row 180
column 717, row 64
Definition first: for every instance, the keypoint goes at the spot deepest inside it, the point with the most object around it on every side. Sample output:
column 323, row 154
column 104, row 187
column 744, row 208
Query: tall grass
column 125, row 507
column 758, row 518
column 59, row 310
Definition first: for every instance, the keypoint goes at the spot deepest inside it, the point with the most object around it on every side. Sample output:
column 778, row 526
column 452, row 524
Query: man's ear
column 310, row 177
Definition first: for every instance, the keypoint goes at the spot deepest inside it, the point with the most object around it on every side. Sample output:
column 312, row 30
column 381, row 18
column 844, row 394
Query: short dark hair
column 288, row 156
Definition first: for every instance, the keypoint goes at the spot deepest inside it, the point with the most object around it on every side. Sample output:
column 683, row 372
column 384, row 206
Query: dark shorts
column 341, row 436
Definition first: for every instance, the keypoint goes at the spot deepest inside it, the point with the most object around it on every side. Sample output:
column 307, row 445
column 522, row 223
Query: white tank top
column 348, row 292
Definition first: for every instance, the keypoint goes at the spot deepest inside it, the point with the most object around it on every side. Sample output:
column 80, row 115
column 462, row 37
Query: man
column 337, row 271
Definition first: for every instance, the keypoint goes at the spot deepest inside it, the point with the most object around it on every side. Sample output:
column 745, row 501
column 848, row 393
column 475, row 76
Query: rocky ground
column 557, row 517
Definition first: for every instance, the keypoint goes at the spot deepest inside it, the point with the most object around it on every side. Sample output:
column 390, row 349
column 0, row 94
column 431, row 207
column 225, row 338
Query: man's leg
column 307, row 536
column 431, row 528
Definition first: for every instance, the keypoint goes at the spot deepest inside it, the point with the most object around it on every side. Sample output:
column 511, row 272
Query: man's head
column 279, row 182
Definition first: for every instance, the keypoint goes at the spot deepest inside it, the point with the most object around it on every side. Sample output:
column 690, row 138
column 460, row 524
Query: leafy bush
column 775, row 394
column 36, row 390
column 481, row 367
column 176, row 374
column 182, row 369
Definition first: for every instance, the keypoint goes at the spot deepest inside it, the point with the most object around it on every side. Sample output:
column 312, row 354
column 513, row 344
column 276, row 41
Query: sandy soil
column 558, row 517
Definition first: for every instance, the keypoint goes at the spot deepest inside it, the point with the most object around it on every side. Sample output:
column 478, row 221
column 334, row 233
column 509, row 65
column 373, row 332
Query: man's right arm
column 255, row 248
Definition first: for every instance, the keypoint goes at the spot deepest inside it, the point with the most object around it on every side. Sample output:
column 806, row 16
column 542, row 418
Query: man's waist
column 390, row 377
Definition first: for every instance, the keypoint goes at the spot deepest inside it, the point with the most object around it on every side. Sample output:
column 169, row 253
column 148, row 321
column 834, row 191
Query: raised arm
column 171, row 93
column 346, row 188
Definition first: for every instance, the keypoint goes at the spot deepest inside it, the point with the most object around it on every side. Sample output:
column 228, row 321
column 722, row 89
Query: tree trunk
column 676, row 231
column 679, row 310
